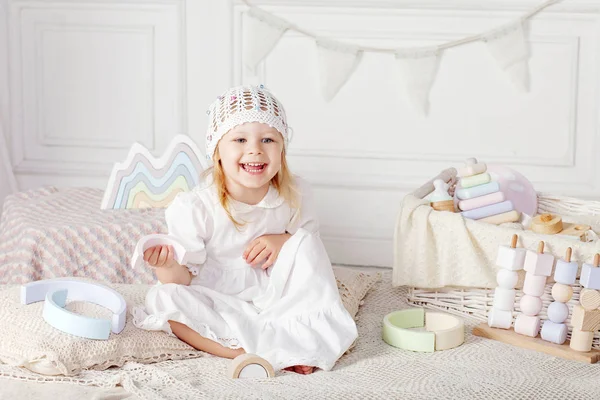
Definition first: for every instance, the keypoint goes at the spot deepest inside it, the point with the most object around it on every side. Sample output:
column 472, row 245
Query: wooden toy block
column 504, row 299
column 534, row 285
column 562, row 293
column 590, row 274
column 511, row 258
column 482, row 201
column 527, row 325
column 558, row 312
column 250, row 366
column 440, row 200
column 539, row 263
column 546, row 224
column 475, row 180
column 499, row 318
column 576, row 231
column 446, row 205
column 507, row 217
column 530, row 305
column 476, row 191
column 472, row 167
column 565, row 271
column 554, row 332
column 507, row 279
column 556, row 350
column 487, row 211
column 581, row 340
column 589, row 299
column 584, row 320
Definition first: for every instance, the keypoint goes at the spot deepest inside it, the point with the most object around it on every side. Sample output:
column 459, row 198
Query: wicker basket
column 477, row 302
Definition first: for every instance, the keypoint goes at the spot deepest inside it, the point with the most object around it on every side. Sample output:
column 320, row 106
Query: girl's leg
column 194, row 339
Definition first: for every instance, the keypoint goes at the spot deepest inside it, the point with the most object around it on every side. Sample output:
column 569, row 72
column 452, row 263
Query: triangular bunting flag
column 262, row 31
column 508, row 46
column 418, row 68
column 337, row 61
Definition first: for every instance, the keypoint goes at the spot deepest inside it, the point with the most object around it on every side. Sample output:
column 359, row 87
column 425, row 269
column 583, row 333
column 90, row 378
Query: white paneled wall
column 84, row 79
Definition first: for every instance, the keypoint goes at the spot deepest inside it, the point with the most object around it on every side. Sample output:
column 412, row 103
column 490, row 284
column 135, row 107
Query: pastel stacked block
column 538, row 267
column 480, row 198
column 586, row 315
column 555, row 330
column 510, row 260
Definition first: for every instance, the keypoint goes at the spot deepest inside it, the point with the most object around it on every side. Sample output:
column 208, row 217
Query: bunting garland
column 417, row 66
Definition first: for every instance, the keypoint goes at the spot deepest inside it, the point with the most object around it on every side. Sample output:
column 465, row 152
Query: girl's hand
column 265, row 247
column 160, row 256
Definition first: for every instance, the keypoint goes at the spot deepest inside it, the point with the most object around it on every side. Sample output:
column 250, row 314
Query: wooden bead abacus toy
column 538, row 266
column 511, row 260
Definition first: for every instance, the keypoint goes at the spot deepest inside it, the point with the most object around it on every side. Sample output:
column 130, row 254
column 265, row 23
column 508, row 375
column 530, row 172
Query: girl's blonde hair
column 283, row 181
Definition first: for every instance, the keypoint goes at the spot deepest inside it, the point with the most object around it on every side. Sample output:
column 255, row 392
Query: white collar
column 271, row 200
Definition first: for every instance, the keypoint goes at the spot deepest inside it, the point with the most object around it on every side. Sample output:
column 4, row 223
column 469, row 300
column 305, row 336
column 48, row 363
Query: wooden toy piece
column 584, row 320
column 577, row 231
column 546, row 224
column 507, row 217
column 504, row 299
column 507, row 279
column 590, row 274
column 565, row 271
column 530, row 305
column 562, row 293
column 499, row 318
column 475, row 180
column 440, row 200
column 553, row 332
column 472, row 167
column 534, row 285
column 558, row 312
column 476, row 191
column 511, row 258
column 527, row 325
column 589, row 299
column 487, row 211
column 481, row 201
column 250, row 366
column 581, row 340
column 539, row 263
column 509, row 336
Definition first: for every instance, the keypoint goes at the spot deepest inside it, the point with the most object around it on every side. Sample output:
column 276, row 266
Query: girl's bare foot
column 301, row 369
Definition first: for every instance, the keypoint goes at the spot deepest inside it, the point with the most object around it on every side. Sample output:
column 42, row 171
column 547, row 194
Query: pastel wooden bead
column 530, row 305
column 527, row 325
column 565, row 272
column 499, row 318
column 562, row 293
column 589, row 299
column 538, row 263
column 581, row 340
column 476, row 191
column 553, row 332
column 504, row 299
column 534, row 285
column 487, row 211
column 510, row 258
column 507, row 279
column 481, row 201
column 585, row 320
column 472, row 167
column 590, row 277
column 558, row 312
column 507, row 217
column 475, row 180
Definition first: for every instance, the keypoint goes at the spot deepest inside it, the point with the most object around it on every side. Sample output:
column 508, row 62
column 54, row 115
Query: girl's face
column 250, row 156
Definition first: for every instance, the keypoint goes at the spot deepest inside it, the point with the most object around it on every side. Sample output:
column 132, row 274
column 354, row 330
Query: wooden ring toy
column 250, row 366
column 547, row 224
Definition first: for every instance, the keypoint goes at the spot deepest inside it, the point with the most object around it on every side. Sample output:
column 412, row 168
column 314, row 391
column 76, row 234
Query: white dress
column 290, row 314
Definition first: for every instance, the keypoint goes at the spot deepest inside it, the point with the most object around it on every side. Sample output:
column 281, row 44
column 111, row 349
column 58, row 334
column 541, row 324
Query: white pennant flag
column 262, row 31
column 508, row 46
column 337, row 61
column 418, row 68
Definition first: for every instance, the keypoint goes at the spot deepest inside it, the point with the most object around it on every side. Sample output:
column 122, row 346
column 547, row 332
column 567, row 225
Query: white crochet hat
column 239, row 105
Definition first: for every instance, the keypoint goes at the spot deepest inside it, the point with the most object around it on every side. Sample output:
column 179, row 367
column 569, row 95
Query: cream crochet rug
column 479, row 369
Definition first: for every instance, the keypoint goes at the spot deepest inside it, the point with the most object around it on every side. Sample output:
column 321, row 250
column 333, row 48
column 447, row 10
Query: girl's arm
column 168, row 270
